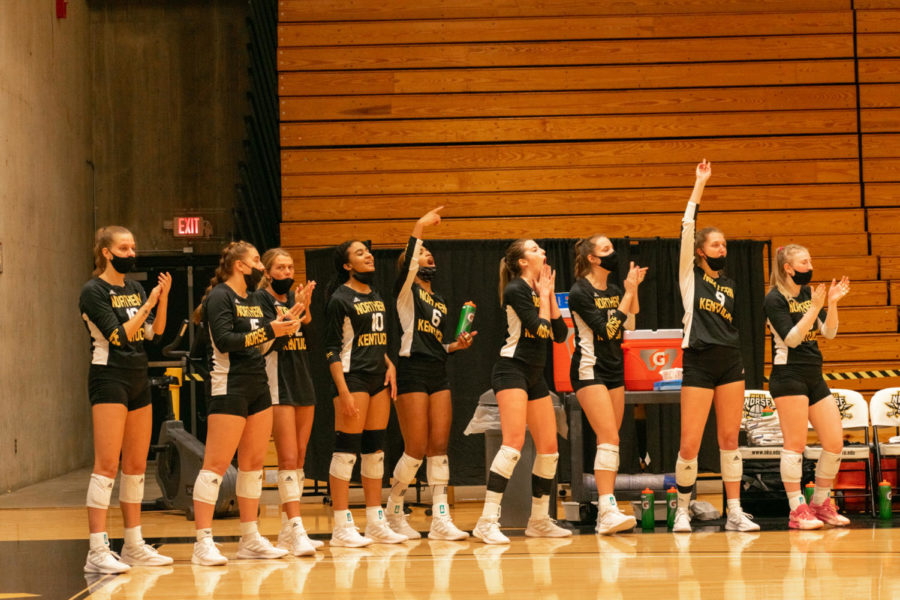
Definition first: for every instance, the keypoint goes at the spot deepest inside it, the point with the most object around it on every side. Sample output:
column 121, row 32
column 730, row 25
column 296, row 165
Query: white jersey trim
column 514, row 331
column 100, row 354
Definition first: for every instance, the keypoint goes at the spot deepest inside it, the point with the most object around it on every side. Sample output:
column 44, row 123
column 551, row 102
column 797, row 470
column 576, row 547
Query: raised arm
column 688, row 228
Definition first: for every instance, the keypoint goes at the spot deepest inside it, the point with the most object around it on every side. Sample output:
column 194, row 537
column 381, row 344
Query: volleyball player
column 796, row 314
column 532, row 318
column 356, row 350
column 601, row 310
column 118, row 316
column 713, row 367
column 240, row 406
column 423, row 391
column 293, row 395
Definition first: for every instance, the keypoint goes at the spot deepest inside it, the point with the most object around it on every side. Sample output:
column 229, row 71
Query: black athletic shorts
column 421, row 374
column 511, row 373
column 248, row 398
column 370, row 383
column 798, row 380
column 712, row 367
column 300, row 393
column 109, row 385
column 611, row 382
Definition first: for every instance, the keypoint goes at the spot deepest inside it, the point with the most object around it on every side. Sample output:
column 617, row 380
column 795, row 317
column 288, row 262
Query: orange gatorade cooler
column 647, row 352
column 562, row 353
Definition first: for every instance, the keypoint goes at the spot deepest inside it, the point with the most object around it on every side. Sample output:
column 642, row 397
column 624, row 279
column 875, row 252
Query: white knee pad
column 505, row 461
column 288, row 486
column 249, row 484
column 545, row 465
column 438, row 470
column 373, row 465
column 99, row 491
column 791, row 466
column 607, row 458
column 301, row 477
column 406, row 468
column 206, row 487
column 828, row 466
column 131, row 489
column 732, row 465
column 342, row 465
column 685, row 471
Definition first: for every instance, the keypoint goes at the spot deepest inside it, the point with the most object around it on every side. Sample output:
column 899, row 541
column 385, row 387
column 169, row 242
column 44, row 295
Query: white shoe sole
column 492, row 542
column 681, row 529
column 209, row 563
column 434, row 535
column 730, row 527
column 343, row 544
column 95, row 569
column 626, row 525
column 257, row 556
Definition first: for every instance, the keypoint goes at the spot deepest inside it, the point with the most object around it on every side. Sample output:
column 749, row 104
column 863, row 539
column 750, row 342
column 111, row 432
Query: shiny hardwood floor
column 858, row 562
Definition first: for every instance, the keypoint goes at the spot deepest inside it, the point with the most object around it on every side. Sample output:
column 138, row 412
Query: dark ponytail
column 232, row 253
column 700, row 239
column 583, row 249
column 509, row 264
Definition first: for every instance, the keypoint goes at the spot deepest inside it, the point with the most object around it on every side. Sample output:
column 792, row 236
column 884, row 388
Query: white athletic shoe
column 487, row 529
column 257, row 546
column 613, row 521
column 295, row 541
column 381, row 533
column 144, row 555
column 300, row 530
column 104, row 560
column 442, row 528
column 207, row 554
column 545, row 527
column 399, row 524
column 682, row 521
column 348, row 536
column 738, row 520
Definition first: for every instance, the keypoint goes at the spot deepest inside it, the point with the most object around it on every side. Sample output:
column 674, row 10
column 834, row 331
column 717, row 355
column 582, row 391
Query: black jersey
column 527, row 333
column 598, row 329
column 782, row 314
column 237, row 327
column 105, row 308
column 423, row 316
column 708, row 302
column 355, row 333
column 287, row 361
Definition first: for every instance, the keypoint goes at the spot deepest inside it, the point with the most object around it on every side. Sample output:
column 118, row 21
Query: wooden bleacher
column 537, row 118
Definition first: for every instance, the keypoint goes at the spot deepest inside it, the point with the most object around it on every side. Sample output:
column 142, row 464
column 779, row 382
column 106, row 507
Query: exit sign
column 189, row 227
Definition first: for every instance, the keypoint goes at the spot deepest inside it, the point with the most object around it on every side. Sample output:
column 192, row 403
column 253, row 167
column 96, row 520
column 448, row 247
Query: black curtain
column 468, row 270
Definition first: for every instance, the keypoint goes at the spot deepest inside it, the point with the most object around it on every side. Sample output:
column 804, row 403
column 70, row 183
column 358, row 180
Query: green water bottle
column 647, row 505
column 466, row 318
column 808, row 491
column 884, row 500
column 671, row 506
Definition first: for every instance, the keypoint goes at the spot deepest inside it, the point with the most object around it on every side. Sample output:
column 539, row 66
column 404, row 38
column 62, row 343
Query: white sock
column 491, row 509
column 249, row 528
column 684, row 500
column 202, row 534
column 374, row 514
column 795, row 499
column 438, row 495
column 607, row 503
column 820, row 495
column 99, row 540
column 343, row 518
column 734, row 504
column 133, row 536
column 540, row 507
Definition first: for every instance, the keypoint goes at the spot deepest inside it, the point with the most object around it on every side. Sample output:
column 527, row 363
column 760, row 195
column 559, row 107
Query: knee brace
column 206, row 487
column 249, row 484
column 342, row 465
column 372, row 440
column 685, row 474
column 288, row 486
column 828, row 466
column 438, row 470
column 406, row 468
column 732, row 465
column 791, row 466
column 131, row 489
column 545, row 465
column 502, row 469
column 607, row 458
column 373, row 465
column 99, row 491
column 347, row 443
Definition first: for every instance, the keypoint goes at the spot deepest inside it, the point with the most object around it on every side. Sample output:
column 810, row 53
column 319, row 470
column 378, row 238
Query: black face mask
column 253, row 278
column 123, row 264
column 802, row 278
column 426, row 273
column 716, row 263
column 282, row 286
column 365, row 278
column 610, row 262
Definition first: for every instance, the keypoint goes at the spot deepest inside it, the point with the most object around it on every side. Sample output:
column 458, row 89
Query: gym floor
column 43, row 531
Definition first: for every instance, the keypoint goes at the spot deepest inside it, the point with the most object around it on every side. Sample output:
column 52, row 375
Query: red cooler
column 647, row 352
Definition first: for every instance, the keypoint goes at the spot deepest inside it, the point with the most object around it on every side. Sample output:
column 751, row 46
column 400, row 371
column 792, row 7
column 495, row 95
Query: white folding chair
column 854, row 416
column 885, row 412
column 756, row 403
